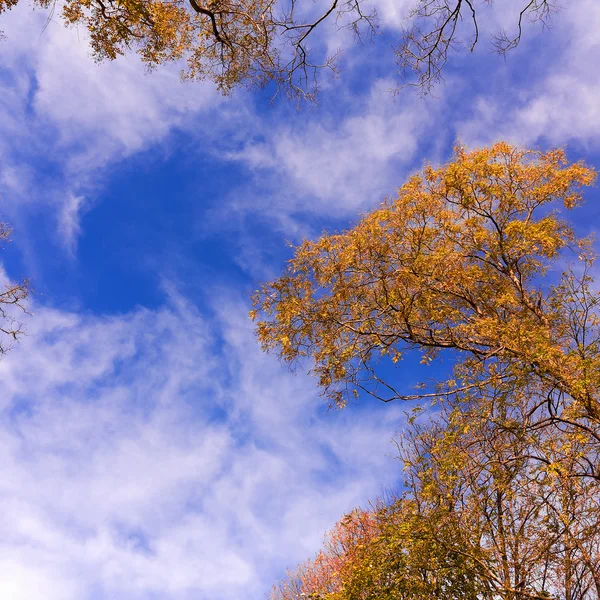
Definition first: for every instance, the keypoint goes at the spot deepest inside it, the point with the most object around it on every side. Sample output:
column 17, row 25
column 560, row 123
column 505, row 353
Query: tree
column 343, row 547
column 458, row 262
column 528, row 521
column 254, row 42
column 480, row 518
column 13, row 296
column 388, row 559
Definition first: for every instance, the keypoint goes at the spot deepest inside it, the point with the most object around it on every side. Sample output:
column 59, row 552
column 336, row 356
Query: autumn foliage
column 326, row 573
column 255, row 42
column 480, row 518
column 501, row 495
column 456, row 262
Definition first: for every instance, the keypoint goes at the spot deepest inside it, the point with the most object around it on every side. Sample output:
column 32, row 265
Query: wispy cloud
column 339, row 166
column 68, row 221
column 141, row 462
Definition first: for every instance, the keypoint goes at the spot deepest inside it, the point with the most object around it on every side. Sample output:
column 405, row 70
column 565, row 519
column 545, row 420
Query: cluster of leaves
column 231, row 42
column 481, row 518
column 502, row 496
column 254, row 42
column 456, row 262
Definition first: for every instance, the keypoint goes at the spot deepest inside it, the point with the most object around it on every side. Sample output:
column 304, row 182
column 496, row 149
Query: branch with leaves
column 13, row 301
column 454, row 264
column 257, row 42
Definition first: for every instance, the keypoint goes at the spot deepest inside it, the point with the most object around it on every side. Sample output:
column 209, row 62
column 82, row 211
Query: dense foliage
column 486, row 513
column 457, row 262
column 502, row 486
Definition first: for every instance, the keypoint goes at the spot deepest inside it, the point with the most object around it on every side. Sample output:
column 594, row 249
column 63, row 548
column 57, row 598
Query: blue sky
column 148, row 449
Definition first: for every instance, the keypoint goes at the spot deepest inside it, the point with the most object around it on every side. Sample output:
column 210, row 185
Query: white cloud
column 72, row 118
column 68, row 221
column 335, row 167
column 141, row 462
column 393, row 14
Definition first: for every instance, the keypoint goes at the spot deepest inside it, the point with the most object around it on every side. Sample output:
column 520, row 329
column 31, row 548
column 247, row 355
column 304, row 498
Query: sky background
column 148, row 449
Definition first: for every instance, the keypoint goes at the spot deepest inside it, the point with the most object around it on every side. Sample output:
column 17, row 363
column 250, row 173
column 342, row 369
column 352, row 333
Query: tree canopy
column 459, row 262
column 479, row 518
column 255, row 42
column 501, row 496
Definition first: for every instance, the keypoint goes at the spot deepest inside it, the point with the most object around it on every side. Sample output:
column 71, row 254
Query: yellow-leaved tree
column 463, row 261
column 501, row 496
column 254, row 42
column 481, row 517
